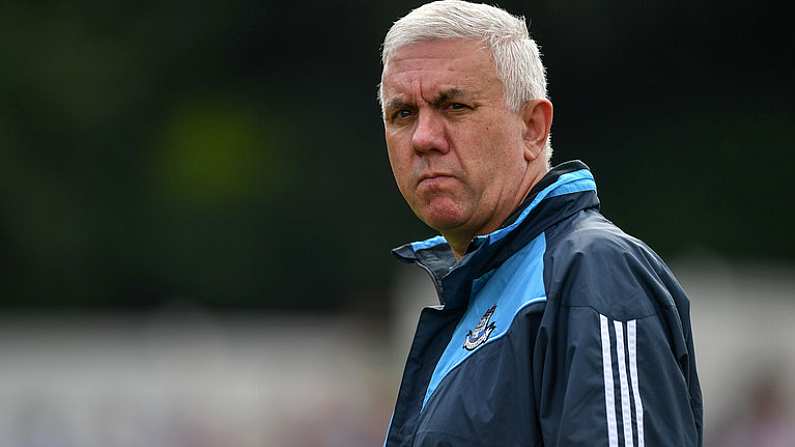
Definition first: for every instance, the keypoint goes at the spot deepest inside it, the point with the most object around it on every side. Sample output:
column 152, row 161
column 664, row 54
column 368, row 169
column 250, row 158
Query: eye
column 401, row 113
column 457, row 106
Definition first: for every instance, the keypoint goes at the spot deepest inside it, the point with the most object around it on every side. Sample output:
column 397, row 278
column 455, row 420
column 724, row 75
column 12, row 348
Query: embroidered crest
column 481, row 332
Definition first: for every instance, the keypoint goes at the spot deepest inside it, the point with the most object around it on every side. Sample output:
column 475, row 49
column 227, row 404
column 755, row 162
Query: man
column 555, row 327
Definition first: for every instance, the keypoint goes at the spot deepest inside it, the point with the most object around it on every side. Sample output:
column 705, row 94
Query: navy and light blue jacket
column 557, row 330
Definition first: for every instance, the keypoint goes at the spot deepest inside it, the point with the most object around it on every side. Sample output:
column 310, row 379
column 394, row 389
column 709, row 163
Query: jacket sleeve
column 613, row 363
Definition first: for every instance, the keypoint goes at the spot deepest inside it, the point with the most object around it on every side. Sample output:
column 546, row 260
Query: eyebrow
column 447, row 96
column 396, row 103
column 443, row 97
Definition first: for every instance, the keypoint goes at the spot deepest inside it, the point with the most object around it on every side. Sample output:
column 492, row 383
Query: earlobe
column 531, row 152
column 537, row 118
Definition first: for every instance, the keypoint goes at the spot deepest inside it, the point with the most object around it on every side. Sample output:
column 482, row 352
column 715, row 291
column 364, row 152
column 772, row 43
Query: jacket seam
column 639, row 317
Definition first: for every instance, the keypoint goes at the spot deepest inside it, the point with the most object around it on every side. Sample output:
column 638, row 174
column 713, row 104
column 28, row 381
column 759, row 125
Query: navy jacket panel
column 488, row 401
column 555, row 330
column 615, row 310
column 431, row 337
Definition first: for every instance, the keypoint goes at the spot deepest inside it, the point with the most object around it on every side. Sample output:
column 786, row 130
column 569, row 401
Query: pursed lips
column 433, row 177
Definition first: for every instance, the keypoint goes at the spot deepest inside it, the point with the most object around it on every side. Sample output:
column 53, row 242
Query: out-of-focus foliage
column 231, row 153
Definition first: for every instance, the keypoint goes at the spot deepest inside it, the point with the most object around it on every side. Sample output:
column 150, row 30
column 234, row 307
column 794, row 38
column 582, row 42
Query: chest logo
column 481, row 332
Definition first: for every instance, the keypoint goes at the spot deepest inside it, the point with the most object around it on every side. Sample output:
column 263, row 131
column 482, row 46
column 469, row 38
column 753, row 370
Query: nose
column 429, row 133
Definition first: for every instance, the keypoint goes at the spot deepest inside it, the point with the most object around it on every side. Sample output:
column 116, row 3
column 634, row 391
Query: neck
column 459, row 240
column 459, row 246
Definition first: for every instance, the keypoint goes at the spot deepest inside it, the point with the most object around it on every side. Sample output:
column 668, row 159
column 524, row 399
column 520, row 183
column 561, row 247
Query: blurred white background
column 189, row 378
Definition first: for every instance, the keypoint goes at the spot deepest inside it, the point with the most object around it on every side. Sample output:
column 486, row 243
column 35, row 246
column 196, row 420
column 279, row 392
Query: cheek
column 400, row 161
column 505, row 142
column 493, row 153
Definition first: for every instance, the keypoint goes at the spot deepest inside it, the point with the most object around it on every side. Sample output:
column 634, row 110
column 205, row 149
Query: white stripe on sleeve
column 607, row 368
column 633, row 373
column 626, row 409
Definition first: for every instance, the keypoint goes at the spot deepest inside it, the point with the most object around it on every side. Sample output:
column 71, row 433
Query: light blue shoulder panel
column 516, row 284
column 571, row 182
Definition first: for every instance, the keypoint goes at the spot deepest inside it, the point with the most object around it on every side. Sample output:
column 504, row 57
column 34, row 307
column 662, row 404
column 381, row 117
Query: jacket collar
column 564, row 190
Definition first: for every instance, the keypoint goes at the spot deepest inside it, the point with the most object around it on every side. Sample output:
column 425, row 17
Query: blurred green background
column 230, row 155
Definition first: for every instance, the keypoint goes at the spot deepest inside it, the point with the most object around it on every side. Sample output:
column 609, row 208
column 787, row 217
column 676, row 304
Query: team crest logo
column 481, row 332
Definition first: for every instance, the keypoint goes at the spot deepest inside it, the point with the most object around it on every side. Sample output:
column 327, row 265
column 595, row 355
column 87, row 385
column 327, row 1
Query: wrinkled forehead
column 430, row 66
column 440, row 46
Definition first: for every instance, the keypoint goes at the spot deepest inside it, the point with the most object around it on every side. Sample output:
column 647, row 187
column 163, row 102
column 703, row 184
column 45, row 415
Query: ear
column 537, row 117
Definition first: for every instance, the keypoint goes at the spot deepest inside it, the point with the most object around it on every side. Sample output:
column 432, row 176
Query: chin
column 443, row 218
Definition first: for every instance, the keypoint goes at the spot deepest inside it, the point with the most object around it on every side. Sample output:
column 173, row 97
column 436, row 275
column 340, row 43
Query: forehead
column 425, row 68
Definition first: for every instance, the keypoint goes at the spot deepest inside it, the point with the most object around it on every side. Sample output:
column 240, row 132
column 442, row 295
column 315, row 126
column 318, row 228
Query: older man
column 555, row 327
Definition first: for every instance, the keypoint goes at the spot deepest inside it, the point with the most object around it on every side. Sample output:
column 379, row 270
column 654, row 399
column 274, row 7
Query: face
column 456, row 149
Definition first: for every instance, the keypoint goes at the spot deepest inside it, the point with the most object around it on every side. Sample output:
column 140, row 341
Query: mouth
column 433, row 178
column 433, row 175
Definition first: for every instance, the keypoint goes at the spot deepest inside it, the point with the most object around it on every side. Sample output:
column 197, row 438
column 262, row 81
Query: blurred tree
column 231, row 154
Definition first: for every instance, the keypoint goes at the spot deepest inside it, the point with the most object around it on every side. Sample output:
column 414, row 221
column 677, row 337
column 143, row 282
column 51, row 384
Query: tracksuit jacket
column 557, row 330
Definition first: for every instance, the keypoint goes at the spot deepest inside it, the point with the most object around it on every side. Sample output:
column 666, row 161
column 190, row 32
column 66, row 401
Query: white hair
column 515, row 54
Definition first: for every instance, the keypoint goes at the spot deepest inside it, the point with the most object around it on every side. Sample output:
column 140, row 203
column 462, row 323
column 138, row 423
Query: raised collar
column 552, row 199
